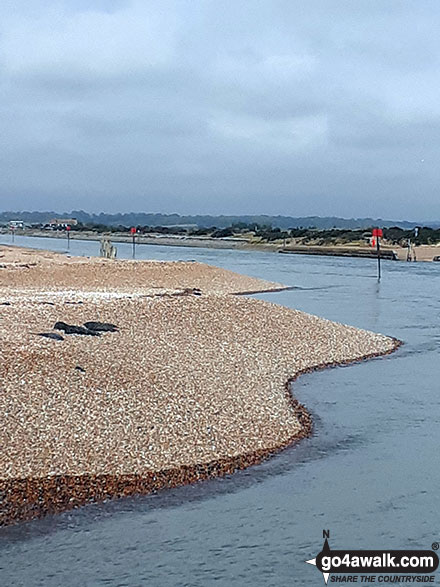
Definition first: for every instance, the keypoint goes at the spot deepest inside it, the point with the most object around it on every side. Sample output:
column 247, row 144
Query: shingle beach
column 192, row 384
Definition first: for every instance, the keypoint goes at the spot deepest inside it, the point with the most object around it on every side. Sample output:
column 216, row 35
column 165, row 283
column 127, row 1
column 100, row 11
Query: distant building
column 62, row 222
column 14, row 224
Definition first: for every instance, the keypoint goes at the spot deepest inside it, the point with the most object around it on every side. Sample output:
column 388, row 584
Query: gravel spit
column 189, row 386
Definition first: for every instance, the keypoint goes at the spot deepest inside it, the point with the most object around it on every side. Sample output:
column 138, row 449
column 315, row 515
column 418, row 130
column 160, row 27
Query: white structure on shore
column 63, row 222
column 14, row 224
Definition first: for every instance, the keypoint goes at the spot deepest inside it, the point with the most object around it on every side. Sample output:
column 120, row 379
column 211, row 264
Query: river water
column 370, row 473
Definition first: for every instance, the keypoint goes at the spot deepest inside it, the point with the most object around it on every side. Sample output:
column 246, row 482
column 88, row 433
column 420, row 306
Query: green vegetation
column 267, row 234
column 205, row 221
column 398, row 236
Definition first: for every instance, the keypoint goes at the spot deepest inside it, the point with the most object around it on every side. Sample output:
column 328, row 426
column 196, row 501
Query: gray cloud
column 266, row 106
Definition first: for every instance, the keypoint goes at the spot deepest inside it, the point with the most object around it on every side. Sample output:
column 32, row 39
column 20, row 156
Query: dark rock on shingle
column 101, row 326
column 52, row 335
column 73, row 329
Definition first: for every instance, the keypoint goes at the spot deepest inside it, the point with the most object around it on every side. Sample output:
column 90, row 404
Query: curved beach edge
column 29, row 498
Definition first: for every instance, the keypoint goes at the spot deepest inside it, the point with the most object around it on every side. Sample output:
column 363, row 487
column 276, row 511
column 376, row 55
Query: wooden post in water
column 378, row 234
column 416, row 234
column 108, row 251
column 133, row 234
column 408, row 250
column 378, row 258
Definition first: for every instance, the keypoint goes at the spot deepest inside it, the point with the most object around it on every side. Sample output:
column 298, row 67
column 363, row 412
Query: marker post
column 68, row 236
column 133, row 234
column 377, row 235
column 416, row 234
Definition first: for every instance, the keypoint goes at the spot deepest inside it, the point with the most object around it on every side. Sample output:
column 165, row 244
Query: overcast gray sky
column 328, row 107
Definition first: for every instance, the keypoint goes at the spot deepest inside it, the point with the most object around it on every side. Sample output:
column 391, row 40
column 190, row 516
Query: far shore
column 423, row 253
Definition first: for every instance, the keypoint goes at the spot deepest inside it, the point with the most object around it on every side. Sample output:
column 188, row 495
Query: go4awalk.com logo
column 376, row 566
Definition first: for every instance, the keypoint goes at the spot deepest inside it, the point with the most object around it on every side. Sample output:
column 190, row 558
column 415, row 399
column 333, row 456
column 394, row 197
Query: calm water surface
column 370, row 473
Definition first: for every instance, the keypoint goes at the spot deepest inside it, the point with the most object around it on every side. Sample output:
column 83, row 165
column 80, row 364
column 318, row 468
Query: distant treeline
column 426, row 235
column 393, row 234
column 206, row 221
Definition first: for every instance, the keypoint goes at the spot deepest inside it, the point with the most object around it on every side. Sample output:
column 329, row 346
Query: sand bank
column 422, row 252
column 190, row 386
column 46, row 271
